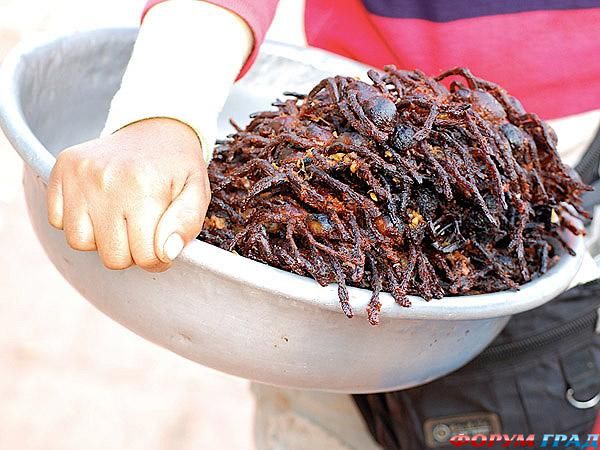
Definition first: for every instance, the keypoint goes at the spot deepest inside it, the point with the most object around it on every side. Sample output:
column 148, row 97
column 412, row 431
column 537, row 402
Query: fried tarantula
column 405, row 184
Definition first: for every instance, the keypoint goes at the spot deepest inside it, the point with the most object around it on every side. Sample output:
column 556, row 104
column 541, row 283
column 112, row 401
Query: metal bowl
column 219, row 309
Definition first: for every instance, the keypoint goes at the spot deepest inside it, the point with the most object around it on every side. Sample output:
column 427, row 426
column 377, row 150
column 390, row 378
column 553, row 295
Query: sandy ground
column 70, row 378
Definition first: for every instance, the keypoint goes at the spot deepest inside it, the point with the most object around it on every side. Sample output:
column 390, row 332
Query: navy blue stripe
column 448, row 10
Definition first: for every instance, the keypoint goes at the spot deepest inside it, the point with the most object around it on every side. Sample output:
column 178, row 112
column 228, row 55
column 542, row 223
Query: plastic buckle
column 579, row 404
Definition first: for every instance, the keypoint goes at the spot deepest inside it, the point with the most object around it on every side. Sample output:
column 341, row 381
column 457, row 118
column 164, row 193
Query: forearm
column 185, row 60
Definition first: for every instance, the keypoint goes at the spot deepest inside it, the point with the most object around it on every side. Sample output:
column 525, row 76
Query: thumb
column 183, row 219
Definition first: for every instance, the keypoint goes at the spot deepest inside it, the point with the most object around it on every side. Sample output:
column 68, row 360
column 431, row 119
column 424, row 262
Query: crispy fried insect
column 411, row 185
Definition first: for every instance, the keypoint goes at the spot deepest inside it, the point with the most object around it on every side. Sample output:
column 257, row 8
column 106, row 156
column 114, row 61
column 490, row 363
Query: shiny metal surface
column 217, row 308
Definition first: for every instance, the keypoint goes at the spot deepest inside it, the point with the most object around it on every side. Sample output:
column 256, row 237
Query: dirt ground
column 70, row 378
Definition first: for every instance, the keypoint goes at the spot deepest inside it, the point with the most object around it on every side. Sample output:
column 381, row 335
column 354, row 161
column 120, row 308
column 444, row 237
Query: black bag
column 540, row 375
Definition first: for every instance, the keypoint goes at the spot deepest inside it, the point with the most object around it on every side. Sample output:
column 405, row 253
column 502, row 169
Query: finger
column 183, row 219
column 79, row 230
column 54, row 196
column 112, row 241
column 141, row 228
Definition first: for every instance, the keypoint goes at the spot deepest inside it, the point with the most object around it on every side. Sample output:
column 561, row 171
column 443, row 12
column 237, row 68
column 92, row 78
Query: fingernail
column 173, row 246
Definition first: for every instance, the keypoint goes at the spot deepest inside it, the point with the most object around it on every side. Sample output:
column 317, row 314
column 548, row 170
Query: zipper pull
column 598, row 322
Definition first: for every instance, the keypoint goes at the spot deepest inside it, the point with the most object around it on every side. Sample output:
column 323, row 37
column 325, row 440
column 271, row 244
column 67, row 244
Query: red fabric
column 257, row 14
column 596, row 429
column 547, row 59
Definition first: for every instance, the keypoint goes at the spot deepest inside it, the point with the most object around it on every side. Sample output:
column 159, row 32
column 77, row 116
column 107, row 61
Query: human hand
column 136, row 196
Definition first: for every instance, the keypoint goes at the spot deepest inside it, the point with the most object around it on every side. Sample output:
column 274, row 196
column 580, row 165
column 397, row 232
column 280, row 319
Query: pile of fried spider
column 407, row 184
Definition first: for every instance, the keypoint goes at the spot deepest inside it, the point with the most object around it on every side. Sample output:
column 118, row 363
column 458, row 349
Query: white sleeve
column 185, row 60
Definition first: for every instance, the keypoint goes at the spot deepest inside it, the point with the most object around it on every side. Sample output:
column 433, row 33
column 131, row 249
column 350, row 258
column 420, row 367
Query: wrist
column 168, row 125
